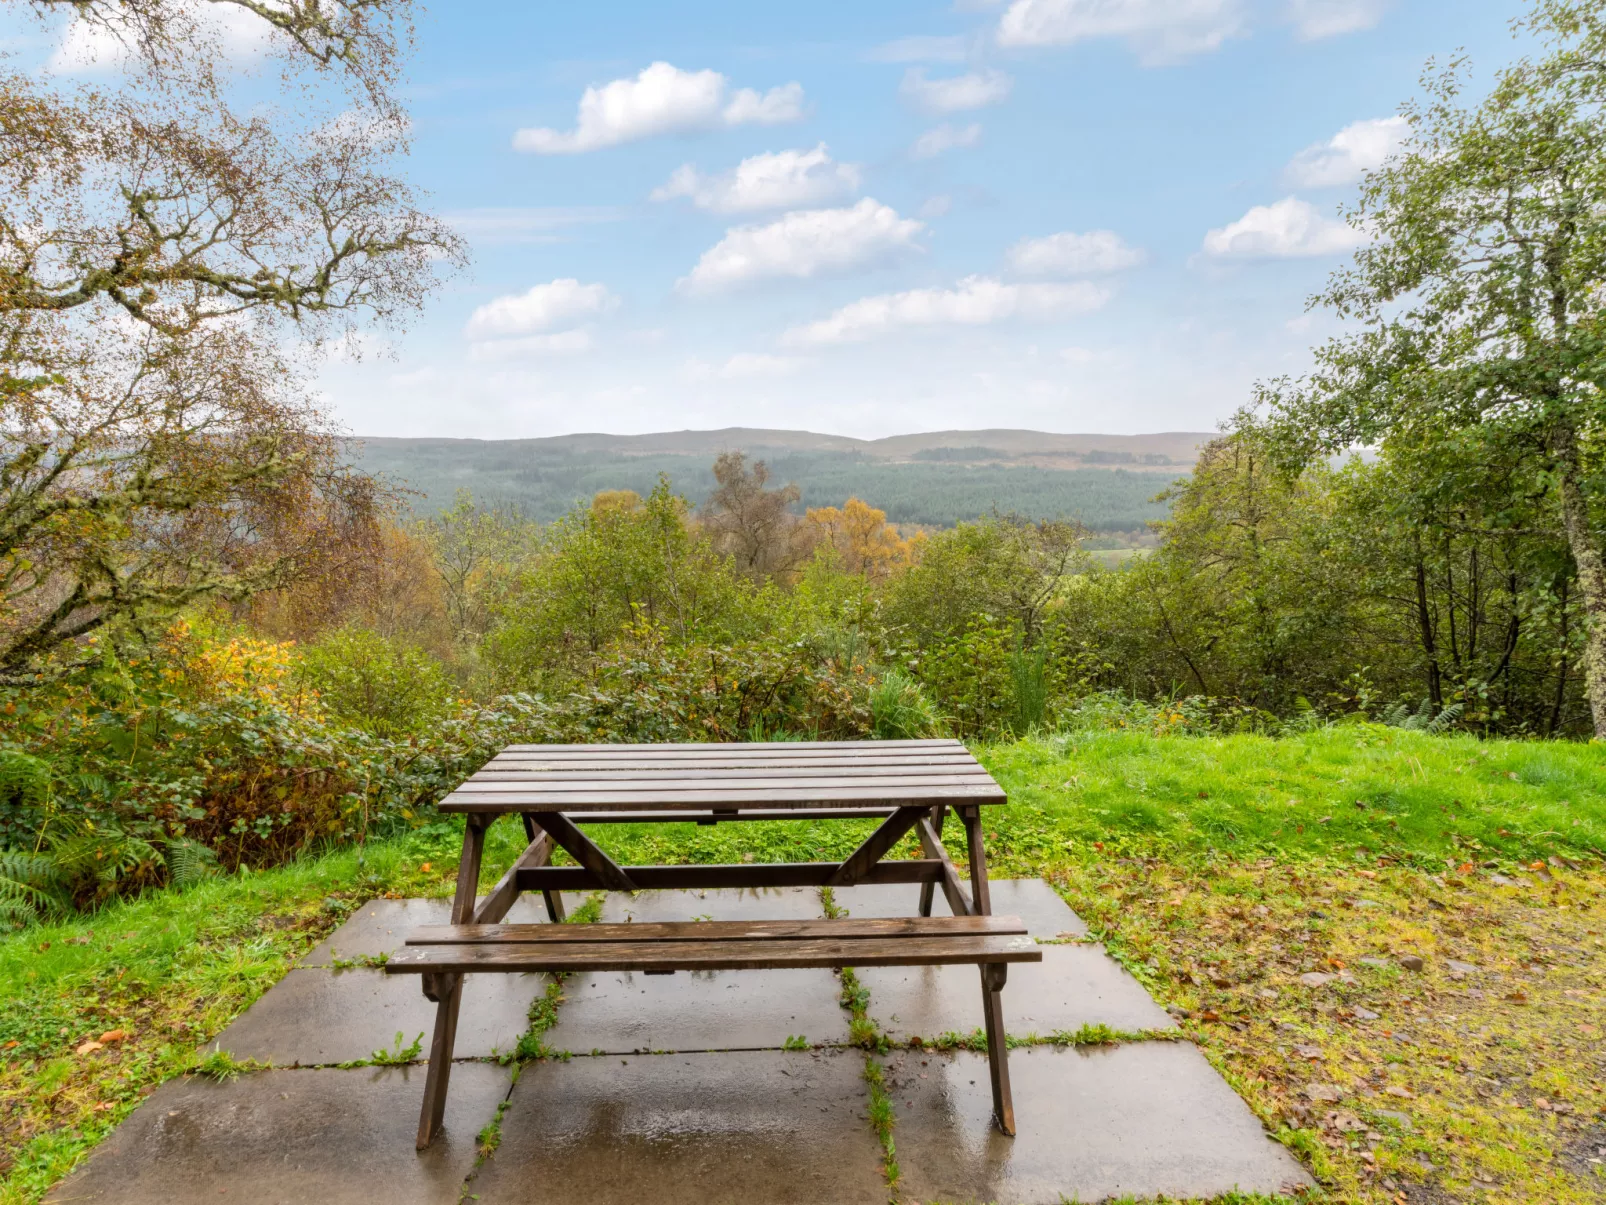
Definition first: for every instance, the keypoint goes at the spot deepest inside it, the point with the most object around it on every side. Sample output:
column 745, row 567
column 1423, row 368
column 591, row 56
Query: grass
column 166, row 971
column 1219, row 870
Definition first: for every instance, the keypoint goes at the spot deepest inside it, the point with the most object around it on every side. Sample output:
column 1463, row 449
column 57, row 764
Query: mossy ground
column 1220, row 870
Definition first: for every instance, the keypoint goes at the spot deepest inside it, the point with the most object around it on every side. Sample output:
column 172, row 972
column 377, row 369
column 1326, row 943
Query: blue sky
column 1075, row 215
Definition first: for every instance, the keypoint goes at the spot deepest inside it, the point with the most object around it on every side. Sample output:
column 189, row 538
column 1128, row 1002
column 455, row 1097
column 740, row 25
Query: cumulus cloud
column 956, row 93
column 778, row 180
column 1160, row 31
column 662, row 99
column 921, row 49
column 974, row 301
column 1314, row 19
column 804, row 244
column 561, row 303
column 945, row 137
column 89, row 47
column 1289, row 229
column 1069, row 254
column 1348, row 155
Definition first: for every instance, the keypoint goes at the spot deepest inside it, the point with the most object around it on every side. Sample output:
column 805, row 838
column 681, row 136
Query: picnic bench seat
column 909, row 785
column 661, row 948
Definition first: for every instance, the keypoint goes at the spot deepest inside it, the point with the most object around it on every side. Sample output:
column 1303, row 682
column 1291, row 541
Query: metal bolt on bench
column 909, row 785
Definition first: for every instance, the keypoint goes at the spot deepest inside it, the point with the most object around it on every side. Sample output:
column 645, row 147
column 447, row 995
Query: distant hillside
column 937, row 478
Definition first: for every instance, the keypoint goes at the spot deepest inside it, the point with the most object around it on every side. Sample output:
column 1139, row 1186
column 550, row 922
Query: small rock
column 1367, row 904
column 1398, row 1090
column 1316, row 979
column 1373, row 962
column 1308, row 1052
column 1365, row 1014
column 1412, row 962
column 1326, row 1092
column 1462, row 968
column 1268, row 993
column 1403, row 1120
column 1500, row 880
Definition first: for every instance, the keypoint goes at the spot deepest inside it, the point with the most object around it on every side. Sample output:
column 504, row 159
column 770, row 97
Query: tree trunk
column 1424, row 618
column 1591, row 568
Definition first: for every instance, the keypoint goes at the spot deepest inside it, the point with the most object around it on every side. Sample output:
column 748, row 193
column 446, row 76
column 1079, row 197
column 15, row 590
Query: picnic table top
column 779, row 775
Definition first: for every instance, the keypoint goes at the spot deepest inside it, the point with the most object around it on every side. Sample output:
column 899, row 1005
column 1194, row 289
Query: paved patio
column 681, row 1088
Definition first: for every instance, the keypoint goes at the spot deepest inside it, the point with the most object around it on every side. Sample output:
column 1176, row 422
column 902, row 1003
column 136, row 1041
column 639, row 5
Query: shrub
column 387, row 687
column 900, row 710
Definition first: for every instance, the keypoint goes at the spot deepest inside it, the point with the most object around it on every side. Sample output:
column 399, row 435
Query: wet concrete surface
column 747, row 903
column 1073, row 985
column 318, row 1017
column 766, row 1128
column 1033, row 900
column 616, row 1011
column 381, row 926
column 1144, row 1119
column 281, row 1137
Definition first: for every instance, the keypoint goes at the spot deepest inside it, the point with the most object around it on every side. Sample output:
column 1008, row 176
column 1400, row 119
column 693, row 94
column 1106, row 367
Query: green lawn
column 1217, row 868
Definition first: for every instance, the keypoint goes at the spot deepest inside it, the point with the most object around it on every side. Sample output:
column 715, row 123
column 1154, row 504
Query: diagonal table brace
column 583, row 850
column 876, row 846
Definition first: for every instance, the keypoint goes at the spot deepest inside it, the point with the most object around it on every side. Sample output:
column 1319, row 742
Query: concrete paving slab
column 754, row 1128
column 380, row 926
column 1033, row 900
column 1073, row 985
column 1144, row 1119
column 747, row 903
column 317, row 1017
column 617, row 1011
column 276, row 1137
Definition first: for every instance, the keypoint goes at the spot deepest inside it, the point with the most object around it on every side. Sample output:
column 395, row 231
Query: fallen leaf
column 424, row 867
column 113, row 1035
column 89, row 1048
column 1209, row 1014
column 12, row 1044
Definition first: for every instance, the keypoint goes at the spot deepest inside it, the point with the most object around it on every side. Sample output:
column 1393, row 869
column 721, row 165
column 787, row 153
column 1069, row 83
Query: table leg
column 978, row 861
column 992, row 985
column 554, row 899
column 449, row 988
column 928, row 891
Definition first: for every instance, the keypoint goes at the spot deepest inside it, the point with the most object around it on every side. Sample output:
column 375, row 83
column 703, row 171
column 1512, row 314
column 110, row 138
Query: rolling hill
column 935, row 478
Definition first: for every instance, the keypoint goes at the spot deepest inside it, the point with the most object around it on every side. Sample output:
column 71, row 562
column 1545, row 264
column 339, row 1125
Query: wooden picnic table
column 557, row 790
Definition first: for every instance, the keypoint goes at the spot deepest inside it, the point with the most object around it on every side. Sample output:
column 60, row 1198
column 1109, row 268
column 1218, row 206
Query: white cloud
column 512, row 224
column 803, row 244
column 974, row 301
column 1348, row 155
column 778, row 180
column 231, row 31
column 1315, row 19
column 921, row 49
column 1069, row 254
column 744, row 366
column 662, row 99
column 544, row 308
column 945, row 138
column 1288, row 229
column 956, row 93
column 564, row 343
column 1161, row 31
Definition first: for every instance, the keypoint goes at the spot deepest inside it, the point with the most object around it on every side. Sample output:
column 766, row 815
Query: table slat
column 714, row 955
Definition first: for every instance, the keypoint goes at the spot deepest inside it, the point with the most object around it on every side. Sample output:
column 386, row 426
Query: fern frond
column 189, row 862
column 1445, row 720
